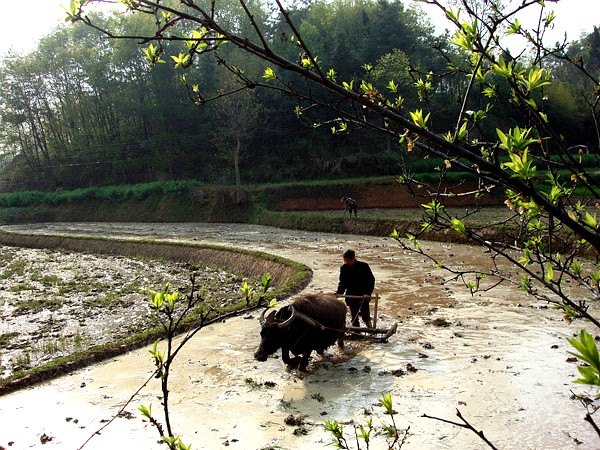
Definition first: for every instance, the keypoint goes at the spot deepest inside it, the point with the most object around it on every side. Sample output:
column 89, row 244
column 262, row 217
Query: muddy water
column 501, row 361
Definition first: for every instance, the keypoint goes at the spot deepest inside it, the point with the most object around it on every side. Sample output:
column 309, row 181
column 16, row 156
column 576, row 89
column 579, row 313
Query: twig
column 97, row 432
column 588, row 418
column 466, row 425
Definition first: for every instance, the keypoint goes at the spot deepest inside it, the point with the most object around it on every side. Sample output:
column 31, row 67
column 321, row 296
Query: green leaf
column 465, row 37
column 195, row 37
column 308, row 62
column 269, row 74
column 266, row 281
column 521, row 166
column 549, row 275
column 348, row 86
column 490, row 91
column 514, row 27
column 157, row 300
column 462, row 132
column 425, row 226
column 516, row 141
column 386, row 401
column 434, row 206
column 181, row 60
column 366, row 87
column 590, row 220
column 481, row 76
column 587, row 351
column 246, row 290
column 535, row 79
column 458, row 225
column 503, row 69
column 335, row 428
column 156, row 354
column 365, row 433
column 572, row 215
column 549, row 18
column 576, row 268
column 146, row 411
column 153, row 54
column 172, row 299
column 418, row 119
column 526, row 284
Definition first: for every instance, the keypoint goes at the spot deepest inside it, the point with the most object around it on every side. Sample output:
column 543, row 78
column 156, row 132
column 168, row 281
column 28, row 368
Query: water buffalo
column 310, row 322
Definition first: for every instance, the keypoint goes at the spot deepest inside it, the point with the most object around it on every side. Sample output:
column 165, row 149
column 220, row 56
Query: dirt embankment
column 218, row 204
column 369, row 195
column 282, row 206
column 285, row 275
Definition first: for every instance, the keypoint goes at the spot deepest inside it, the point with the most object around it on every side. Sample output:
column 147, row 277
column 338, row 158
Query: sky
column 26, row 21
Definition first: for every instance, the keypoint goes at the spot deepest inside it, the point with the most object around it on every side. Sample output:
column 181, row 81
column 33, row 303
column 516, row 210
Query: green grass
column 20, row 287
column 6, row 338
column 33, row 306
column 15, row 268
column 118, row 192
column 48, row 280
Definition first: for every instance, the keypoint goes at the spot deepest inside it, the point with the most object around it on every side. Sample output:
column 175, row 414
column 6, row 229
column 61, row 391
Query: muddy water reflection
column 500, row 360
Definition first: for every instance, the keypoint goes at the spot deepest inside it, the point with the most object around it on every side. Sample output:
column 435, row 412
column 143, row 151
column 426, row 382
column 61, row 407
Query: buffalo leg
column 285, row 355
column 292, row 363
column 340, row 340
column 304, row 361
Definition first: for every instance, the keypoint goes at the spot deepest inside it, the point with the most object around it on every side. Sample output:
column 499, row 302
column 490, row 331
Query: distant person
column 350, row 205
column 356, row 280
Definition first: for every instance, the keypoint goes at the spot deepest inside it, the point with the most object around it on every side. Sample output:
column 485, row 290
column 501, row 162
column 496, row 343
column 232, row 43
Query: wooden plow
column 380, row 334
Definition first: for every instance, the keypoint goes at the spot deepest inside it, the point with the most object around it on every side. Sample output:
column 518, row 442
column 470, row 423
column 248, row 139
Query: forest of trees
column 83, row 110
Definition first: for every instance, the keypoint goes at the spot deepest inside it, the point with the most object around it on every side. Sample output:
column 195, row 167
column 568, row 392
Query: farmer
column 356, row 281
column 350, row 205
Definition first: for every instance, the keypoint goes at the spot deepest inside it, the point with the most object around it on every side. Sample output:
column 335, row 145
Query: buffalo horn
column 289, row 321
column 261, row 319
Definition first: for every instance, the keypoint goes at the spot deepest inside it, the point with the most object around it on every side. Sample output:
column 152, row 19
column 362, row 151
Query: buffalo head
column 274, row 329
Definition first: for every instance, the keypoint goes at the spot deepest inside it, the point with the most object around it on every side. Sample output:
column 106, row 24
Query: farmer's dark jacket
column 356, row 279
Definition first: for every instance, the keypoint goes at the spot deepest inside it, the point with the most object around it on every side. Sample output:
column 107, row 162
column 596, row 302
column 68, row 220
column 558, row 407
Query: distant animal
column 350, row 205
column 310, row 322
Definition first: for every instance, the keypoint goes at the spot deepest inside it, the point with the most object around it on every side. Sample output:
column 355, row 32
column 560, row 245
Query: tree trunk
column 236, row 164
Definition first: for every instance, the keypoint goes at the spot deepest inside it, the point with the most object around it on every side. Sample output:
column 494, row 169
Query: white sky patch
column 573, row 17
column 25, row 22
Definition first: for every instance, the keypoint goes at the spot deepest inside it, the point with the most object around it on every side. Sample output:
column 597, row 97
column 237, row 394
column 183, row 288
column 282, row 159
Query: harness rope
column 309, row 320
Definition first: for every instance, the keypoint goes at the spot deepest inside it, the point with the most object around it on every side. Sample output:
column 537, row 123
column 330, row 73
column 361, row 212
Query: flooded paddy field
column 55, row 303
column 498, row 357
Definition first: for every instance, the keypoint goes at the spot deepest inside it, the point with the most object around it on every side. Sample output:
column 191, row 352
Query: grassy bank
column 311, row 206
